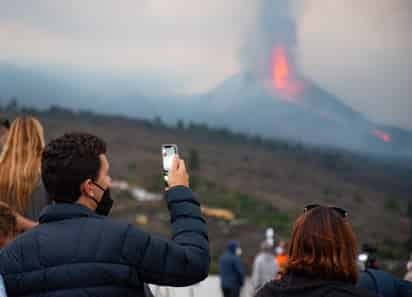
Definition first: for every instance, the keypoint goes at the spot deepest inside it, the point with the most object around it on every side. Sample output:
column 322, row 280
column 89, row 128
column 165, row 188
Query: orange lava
column 385, row 137
column 283, row 78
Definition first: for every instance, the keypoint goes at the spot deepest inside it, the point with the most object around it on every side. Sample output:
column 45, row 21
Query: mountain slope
column 315, row 117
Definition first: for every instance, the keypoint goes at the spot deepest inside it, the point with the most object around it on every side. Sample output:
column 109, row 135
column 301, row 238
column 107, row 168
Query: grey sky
column 359, row 50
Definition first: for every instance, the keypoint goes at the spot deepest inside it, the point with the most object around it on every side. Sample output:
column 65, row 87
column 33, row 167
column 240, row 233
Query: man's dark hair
column 5, row 123
column 67, row 162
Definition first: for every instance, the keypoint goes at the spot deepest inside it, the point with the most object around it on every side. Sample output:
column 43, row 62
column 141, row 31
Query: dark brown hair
column 323, row 246
column 68, row 161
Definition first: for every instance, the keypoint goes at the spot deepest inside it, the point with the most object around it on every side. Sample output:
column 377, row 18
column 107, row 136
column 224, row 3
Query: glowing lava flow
column 283, row 79
column 385, row 137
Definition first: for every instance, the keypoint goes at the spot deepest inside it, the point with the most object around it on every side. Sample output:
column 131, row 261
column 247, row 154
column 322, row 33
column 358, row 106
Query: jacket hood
column 232, row 246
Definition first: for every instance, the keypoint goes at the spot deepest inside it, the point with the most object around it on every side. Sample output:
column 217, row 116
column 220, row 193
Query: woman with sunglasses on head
column 322, row 257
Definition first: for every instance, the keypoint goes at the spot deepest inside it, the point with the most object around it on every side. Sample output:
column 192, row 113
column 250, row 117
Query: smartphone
column 169, row 151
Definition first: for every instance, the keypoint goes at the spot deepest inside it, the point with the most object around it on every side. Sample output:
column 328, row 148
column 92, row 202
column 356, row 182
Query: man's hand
column 178, row 175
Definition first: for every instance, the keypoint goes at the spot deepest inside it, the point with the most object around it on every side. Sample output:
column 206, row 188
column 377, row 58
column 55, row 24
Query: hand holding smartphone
column 174, row 169
column 169, row 152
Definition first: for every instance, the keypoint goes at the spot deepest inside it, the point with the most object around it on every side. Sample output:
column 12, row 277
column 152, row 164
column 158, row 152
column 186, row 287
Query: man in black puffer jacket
column 76, row 251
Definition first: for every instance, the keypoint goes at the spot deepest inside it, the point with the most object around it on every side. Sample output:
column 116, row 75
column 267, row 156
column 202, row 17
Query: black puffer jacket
column 74, row 252
column 300, row 286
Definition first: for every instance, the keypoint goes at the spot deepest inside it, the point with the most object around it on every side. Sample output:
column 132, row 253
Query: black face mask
column 105, row 204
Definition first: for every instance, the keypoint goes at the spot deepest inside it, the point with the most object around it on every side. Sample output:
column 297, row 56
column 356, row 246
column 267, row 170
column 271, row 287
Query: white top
column 265, row 268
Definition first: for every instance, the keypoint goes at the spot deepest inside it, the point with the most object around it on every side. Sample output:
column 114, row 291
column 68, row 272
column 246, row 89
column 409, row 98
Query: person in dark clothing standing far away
column 367, row 259
column 322, row 258
column 231, row 270
column 77, row 251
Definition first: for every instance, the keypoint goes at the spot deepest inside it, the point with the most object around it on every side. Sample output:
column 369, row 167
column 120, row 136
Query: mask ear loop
column 93, row 198
column 99, row 186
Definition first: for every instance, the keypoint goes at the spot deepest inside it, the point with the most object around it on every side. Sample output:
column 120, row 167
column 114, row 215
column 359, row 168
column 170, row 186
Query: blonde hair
column 20, row 162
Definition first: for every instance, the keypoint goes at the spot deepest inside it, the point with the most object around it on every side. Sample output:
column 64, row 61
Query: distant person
column 265, row 266
column 231, row 270
column 384, row 284
column 322, row 257
column 77, row 251
column 408, row 275
column 20, row 162
column 368, row 258
column 281, row 255
column 4, row 130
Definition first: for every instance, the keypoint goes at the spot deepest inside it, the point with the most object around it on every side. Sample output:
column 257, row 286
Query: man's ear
column 86, row 188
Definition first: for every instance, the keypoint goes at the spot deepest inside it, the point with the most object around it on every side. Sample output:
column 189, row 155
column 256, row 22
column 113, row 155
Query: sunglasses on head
column 341, row 211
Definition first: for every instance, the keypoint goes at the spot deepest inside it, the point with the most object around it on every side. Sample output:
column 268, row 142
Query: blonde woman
column 20, row 162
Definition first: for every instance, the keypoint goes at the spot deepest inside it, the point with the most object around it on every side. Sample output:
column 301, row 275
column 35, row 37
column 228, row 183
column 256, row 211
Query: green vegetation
column 194, row 162
column 410, row 210
column 132, row 167
column 246, row 207
column 180, row 125
column 214, row 266
column 385, row 251
column 358, row 198
column 156, row 183
column 392, row 204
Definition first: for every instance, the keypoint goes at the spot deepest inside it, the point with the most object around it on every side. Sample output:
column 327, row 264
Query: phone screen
column 168, row 152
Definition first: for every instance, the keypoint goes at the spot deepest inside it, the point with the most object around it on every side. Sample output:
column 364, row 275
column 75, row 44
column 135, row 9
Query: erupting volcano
column 282, row 75
column 270, row 97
